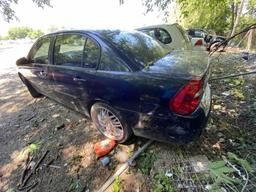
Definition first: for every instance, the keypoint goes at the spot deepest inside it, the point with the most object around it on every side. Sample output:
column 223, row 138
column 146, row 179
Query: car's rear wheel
column 110, row 122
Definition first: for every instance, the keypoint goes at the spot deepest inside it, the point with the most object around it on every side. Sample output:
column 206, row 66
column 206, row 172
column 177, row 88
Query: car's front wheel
column 110, row 122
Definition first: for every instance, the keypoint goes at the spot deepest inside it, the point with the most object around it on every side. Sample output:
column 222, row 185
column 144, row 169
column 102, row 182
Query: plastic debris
column 102, row 148
column 168, row 173
column 105, row 161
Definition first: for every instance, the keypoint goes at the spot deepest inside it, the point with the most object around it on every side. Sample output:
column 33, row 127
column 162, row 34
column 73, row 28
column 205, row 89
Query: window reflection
column 136, row 46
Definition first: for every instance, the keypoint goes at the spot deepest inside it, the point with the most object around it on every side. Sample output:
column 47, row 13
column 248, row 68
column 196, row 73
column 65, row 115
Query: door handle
column 42, row 73
column 79, row 79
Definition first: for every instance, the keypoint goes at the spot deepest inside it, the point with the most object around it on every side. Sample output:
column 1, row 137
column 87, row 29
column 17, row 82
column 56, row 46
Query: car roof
column 157, row 26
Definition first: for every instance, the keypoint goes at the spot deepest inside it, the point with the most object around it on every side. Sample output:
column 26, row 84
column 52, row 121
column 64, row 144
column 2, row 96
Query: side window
column 162, row 35
column 40, row 51
column 110, row 62
column 68, row 50
column 91, row 54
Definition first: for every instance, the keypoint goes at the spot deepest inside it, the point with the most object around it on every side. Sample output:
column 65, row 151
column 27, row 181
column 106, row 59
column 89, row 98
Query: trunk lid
column 181, row 64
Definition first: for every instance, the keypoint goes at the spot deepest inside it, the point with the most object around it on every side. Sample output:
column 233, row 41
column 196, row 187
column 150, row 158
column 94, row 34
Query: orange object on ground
column 104, row 147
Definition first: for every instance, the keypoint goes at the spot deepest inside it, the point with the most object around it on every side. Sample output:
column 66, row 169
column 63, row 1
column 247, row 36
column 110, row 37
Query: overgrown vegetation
column 226, row 172
column 75, row 185
column 162, row 183
column 146, row 161
column 117, row 185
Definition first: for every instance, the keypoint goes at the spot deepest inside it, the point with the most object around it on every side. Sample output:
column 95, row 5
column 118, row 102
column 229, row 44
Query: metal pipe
column 233, row 75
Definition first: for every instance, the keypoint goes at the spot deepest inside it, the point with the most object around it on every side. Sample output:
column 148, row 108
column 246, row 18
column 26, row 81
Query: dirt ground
column 35, row 126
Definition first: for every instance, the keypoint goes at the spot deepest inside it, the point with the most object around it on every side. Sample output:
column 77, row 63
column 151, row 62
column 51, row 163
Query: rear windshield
column 136, row 46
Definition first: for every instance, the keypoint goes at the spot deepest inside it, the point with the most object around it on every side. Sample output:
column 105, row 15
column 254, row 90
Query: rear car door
column 39, row 58
column 73, row 69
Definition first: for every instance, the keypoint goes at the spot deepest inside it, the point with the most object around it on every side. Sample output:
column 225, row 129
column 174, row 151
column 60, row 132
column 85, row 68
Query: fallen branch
column 28, row 160
column 34, row 168
column 29, row 187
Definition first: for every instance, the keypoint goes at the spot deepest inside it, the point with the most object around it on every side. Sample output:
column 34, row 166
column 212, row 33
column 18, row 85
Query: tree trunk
column 239, row 12
column 249, row 42
column 232, row 17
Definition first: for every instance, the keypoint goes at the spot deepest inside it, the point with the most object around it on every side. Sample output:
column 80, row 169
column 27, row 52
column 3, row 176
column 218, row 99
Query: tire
column 34, row 93
column 106, row 128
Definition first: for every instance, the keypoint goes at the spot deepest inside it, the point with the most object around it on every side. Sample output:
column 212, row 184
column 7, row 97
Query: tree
column 35, row 34
column 238, row 15
column 24, row 32
column 19, row 32
column 8, row 13
column 219, row 15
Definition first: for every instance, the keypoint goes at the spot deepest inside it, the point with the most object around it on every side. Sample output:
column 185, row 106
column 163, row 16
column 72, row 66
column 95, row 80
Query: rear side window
column 110, row 62
column 91, row 54
column 160, row 34
column 68, row 50
column 40, row 51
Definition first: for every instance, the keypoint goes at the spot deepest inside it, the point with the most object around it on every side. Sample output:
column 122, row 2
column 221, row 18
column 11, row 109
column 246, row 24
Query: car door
column 71, row 71
column 39, row 58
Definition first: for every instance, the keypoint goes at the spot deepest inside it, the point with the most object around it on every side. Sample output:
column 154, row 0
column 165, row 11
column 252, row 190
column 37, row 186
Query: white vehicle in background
column 172, row 35
column 197, row 37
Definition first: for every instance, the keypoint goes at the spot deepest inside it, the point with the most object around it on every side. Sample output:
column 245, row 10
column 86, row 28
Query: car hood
column 181, row 64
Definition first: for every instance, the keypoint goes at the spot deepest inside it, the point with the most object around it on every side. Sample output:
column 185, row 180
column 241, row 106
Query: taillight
column 199, row 42
column 187, row 99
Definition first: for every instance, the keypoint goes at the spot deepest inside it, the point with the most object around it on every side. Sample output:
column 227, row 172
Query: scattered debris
column 121, row 156
column 25, row 180
column 60, row 126
column 105, row 161
column 29, row 118
column 124, row 166
column 102, row 148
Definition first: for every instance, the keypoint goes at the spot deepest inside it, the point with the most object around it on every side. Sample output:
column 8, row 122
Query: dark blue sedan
column 127, row 82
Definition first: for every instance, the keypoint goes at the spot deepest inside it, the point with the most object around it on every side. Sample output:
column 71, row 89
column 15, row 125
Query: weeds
column 146, row 161
column 76, row 159
column 162, row 183
column 75, row 185
column 223, row 172
column 117, row 185
column 34, row 147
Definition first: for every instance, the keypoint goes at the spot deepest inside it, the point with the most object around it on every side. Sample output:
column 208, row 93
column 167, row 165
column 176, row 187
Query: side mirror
column 22, row 61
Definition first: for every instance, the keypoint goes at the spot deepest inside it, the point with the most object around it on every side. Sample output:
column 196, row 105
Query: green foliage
column 19, row 32
column 24, row 32
column 224, row 174
column 75, row 185
column 34, row 147
column 117, row 184
column 146, row 161
column 8, row 13
column 162, row 183
column 220, row 172
column 218, row 15
column 35, row 34
column 214, row 14
column 240, row 161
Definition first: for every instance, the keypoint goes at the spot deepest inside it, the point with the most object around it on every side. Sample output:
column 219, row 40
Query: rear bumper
column 175, row 129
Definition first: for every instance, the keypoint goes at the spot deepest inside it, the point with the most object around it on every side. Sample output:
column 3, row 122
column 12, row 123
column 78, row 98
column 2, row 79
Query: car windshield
column 137, row 46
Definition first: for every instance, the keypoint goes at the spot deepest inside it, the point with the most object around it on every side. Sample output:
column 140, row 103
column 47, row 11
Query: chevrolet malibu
column 125, row 81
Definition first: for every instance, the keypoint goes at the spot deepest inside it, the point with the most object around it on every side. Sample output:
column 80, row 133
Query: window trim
column 29, row 56
column 86, row 36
